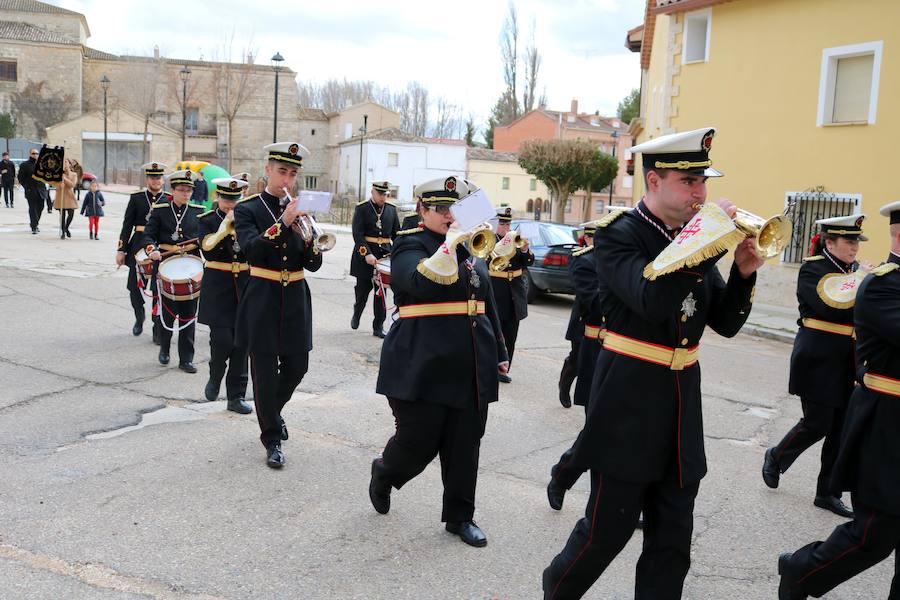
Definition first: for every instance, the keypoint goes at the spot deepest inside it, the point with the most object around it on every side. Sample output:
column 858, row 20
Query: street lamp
column 615, row 136
column 185, row 74
column 276, row 66
column 104, row 83
column 362, row 134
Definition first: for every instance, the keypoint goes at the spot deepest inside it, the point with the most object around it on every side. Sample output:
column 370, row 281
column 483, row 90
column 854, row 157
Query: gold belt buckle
column 510, row 276
column 679, row 357
column 285, row 278
column 235, row 267
column 472, row 307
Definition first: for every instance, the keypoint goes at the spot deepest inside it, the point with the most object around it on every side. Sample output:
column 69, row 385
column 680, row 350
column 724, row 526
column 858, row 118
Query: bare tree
column 448, row 121
column 139, row 91
column 532, row 67
column 509, row 51
column 41, row 105
column 231, row 85
column 177, row 89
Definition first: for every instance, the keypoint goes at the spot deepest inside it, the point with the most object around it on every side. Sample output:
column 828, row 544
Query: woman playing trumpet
column 440, row 359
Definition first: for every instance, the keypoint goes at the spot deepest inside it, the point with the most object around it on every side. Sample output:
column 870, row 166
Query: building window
column 192, row 120
column 598, row 207
column 532, row 186
column 529, row 206
column 695, row 41
column 8, row 70
column 809, row 207
column 848, row 84
column 312, row 132
column 348, row 131
column 504, row 183
column 628, row 182
column 568, row 207
column 546, row 206
column 393, row 159
column 312, row 182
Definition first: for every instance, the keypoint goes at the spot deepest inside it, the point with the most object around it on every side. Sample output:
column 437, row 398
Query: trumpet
column 213, row 239
column 771, row 235
column 442, row 267
column 481, row 240
column 505, row 250
column 307, row 228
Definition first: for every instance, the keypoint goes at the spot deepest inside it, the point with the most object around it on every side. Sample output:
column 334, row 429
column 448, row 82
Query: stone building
column 347, row 124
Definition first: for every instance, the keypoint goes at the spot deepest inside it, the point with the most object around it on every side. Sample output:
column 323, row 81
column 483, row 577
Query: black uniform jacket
column 273, row 318
column 822, row 363
column 869, row 459
column 450, row 360
column 411, row 222
column 644, row 420
column 137, row 213
column 162, row 224
column 510, row 293
column 365, row 224
column 221, row 290
column 588, row 301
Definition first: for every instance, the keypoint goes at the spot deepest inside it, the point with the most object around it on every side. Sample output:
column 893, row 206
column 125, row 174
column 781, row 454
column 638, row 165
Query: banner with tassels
column 49, row 166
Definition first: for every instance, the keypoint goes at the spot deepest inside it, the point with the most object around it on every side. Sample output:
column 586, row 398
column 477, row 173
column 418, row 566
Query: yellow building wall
column 489, row 174
column 760, row 89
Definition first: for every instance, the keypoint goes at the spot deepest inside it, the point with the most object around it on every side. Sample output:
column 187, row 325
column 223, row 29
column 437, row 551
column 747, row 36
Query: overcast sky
column 453, row 54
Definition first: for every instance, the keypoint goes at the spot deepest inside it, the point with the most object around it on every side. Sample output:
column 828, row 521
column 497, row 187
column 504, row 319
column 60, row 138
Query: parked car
column 552, row 245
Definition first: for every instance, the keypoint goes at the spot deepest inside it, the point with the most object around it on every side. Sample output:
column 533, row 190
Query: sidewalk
column 772, row 322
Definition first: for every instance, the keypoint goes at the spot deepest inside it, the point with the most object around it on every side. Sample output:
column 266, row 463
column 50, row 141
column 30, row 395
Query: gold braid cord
column 885, row 269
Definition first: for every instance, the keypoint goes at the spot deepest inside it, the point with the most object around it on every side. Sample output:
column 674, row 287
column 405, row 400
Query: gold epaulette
column 812, row 258
column 582, row 251
column 200, row 206
column 160, row 205
column 391, row 203
column 247, row 198
column 885, row 269
column 409, row 231
column 361, row 202
column 612, row 216
column 209, row 212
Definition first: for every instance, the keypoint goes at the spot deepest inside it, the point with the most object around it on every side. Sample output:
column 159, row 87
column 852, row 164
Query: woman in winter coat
column 64, row 199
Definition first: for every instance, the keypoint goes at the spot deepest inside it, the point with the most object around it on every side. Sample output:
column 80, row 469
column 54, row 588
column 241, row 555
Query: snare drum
column 383, row 271
column 180, row 276
column 143, row 264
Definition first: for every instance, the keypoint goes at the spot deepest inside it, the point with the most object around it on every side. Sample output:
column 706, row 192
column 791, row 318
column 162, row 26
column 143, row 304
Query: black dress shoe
column 163, row 358
column 835, row 505
column 354, row 320
column 211, row 391
column 771, row 472
column 555, row 494
column 284, row 431
column 274, row 456
column 504, row 378
column 564, row 398
column 378, row 333
column 187, row 367
column 785, row 591
column 239, row 406
column 468, row 532
column 138, row 328
column 379, row 491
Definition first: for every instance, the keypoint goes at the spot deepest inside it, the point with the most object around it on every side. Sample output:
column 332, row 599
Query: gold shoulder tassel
column 723, row 244
column 436, row 277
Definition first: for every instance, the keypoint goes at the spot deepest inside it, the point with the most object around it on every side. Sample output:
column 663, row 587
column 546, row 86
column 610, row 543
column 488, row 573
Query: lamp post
column 362, row 132
column 104, row 83
column 276, row 66
column 615, row 137
column 185, row 74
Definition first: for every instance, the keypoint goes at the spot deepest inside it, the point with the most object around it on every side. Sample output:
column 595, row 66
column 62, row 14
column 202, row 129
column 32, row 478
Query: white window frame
column 504, row 183
column 396, row 159
column 828, row 74
column 707, row 12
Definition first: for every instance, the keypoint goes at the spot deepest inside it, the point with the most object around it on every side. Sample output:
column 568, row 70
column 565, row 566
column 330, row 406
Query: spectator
column 7, row 179
column 35, row 191
column 92, row 208
column 201, row 191
column 64, row 199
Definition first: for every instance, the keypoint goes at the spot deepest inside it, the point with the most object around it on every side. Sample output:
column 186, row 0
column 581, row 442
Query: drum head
column 384, row 266
column 141, row 256
column 181, row 268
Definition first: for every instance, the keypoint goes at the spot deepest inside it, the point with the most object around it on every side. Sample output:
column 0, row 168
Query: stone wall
column 313, row 133
column 70, row 26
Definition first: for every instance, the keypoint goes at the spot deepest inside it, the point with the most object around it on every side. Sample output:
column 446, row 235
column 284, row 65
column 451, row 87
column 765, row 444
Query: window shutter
column 852, row 88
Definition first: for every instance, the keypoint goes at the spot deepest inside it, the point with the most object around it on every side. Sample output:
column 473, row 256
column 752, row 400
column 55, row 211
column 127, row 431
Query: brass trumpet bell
column 505, row 250
column 771, row 235
column 213, row 239
column 481, row 241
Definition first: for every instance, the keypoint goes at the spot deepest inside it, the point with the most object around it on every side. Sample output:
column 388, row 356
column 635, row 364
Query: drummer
column 225, row 274
column 171, row 224
column 375, row 225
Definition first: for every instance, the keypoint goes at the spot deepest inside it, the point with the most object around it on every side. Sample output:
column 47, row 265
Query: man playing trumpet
column 225, row 275
column 507, row 265
column 274, row 317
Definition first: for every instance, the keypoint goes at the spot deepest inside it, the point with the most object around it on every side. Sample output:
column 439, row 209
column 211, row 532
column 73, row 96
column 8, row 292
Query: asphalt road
column 118, row 483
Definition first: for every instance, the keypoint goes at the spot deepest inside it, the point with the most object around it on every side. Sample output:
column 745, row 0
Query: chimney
column 574, row 110
column 155, row 51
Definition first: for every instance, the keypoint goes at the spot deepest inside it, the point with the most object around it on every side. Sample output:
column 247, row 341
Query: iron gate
column 808, row 207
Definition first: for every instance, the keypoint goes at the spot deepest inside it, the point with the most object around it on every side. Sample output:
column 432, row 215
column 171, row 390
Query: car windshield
column 555, row 235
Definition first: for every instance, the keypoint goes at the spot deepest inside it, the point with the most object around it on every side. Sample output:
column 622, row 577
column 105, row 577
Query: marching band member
column 868, row 462
column 274, row 317
column 131, row 238
column 170, row 224
column 375, row 225
column 574, row 335
column 643, row 436
column 225, row 275
column 509, row 287
column 822, row 362
column 439, row 362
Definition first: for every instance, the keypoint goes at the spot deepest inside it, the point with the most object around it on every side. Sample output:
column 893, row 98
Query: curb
column 778, row 335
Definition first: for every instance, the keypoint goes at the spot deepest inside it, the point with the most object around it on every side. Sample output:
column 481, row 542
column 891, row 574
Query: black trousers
column 819, row 421
column 184, row 310
column 274, row 380
column 608, row 523
column 567, row 471
column 65, row 218
column 224, row 355
column 364, row 286
column 850, row 549
column 134, row 292
column 8, row 194
column 35, row 209
column 509, row 324
column 570, row 366
column 425, row 430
